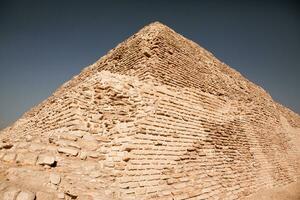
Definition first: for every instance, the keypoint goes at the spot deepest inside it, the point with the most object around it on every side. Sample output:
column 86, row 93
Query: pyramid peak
column 156, row 27
column 157, row 24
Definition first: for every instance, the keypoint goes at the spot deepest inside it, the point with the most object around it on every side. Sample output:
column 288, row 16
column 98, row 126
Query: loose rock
column 26, row 195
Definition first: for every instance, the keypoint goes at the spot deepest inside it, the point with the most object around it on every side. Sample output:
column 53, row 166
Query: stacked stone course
column 158, row 117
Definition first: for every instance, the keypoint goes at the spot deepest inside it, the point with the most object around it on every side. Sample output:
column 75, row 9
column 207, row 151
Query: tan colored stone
column 9, row 157
column 11, row 193
column 46, row 160
column 26, row 195
column 44, row 196
column 54, row 179
column 68, row 151
column 61, row 195
column 26, row 158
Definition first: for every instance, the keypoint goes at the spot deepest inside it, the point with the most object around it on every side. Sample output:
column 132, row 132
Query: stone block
column 54, row 178
column 11, row 193
column 46, row 160
column 26, row 195
column 44, row 196
column 9, row 157
column 26, row 158
column 68, row 151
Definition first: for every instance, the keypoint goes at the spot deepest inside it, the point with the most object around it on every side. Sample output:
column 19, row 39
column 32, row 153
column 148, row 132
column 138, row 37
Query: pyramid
column 158, row 117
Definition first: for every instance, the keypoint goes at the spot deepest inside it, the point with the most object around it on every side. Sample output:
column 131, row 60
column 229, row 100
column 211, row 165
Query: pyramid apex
column 156, row 25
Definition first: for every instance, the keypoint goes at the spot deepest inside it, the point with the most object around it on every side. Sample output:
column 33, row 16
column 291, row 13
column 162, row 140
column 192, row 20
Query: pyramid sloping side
column 177, row 124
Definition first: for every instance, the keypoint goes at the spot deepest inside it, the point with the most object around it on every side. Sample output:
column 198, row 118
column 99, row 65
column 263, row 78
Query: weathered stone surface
column 9, row 157
column 158, row 117
column 3, row 186
column 26, row 158
column 68, row 151
column 11, row 193
column 83, row 155
column 61, row 195
column 46, row 160
column 54, row 179
column 26, row 195
column 44, row 196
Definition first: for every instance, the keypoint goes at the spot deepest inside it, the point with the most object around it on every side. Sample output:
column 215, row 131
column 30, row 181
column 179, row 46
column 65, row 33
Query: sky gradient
column 44, row 43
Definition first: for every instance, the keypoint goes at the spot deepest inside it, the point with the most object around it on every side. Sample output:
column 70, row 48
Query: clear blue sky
column 45, row 43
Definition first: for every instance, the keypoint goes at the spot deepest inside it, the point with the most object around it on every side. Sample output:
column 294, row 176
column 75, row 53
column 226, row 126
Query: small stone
column 61, row 195
column 22, row 145
column 78, row 133
column 54, row 179
column 26, row 158
column 28, row 138
column 95, row 174
column 96, row 155
column 11, row 194
column 67, row 143
column 68, row 137
column 68, row 151
column 3, row 186
column 89, row 145
column 9, row 157
column 46, row 160
column 53, row 187
column 83, row 155
column 26, row 195
column 34, row 147
column 44, row 196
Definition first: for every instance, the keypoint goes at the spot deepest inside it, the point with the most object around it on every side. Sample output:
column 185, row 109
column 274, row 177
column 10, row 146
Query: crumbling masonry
column 158, row 117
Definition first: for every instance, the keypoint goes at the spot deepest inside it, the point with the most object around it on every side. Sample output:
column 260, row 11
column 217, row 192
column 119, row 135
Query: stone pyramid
column 158, row 117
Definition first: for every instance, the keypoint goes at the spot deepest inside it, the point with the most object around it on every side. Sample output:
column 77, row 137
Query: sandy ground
column 289, row 192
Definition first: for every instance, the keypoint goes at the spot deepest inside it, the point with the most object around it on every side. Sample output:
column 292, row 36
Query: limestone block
column 89, row 145
column 67, row 143
column 46, row 160
column 26, row 195
column 26, row 158
column 9, row 157
column 97, row 155
column 36, row 147
column 44, row 196
column 54, row 179
column 11, row 193
column 3, row 185
column 2, row 153
column 61, row 195
column 68, row 136
column 83, row 155
column 22, row 145
column 96, row 174
column 68, row 151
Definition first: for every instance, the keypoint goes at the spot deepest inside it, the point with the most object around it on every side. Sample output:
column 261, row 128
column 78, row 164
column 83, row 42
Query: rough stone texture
column 10, row 193
column 158, row 117
column 55, row 179
column 25, row 195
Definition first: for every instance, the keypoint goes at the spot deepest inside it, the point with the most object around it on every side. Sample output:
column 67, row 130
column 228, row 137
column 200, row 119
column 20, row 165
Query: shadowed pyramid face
column 158, row 117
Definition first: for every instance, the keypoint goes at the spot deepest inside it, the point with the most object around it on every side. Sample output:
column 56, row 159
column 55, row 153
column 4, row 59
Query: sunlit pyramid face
column 158, row 117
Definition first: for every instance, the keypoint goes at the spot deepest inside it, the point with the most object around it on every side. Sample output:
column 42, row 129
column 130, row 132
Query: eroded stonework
column 158, row 117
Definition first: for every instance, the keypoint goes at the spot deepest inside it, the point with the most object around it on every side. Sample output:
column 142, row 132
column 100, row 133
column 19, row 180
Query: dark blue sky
column 45, row 43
